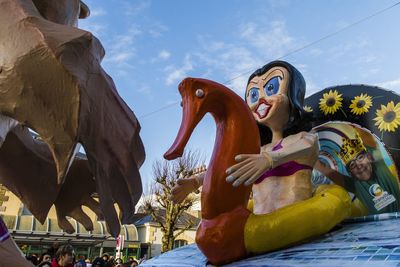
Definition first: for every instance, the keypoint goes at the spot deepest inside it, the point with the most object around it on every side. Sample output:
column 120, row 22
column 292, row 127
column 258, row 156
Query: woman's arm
column 185, row 186
column 332, row 174
column 250, row 166
column 306, row 145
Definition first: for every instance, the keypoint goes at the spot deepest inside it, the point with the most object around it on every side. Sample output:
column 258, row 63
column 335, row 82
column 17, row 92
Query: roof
column 183, row 220
column 27, row 224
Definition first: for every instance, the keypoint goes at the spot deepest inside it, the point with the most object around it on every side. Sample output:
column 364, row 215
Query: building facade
column 142, row 239
column 35, row 238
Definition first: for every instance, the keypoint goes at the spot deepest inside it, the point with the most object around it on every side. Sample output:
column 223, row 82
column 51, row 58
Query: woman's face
column 267, row 97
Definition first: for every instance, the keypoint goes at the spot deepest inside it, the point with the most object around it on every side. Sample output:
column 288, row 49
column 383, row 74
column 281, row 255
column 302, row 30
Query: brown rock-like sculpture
column 36, row 184
column 51, row 81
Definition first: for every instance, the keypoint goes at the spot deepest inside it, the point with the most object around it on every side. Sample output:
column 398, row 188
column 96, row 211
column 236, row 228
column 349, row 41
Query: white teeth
column 262, row 109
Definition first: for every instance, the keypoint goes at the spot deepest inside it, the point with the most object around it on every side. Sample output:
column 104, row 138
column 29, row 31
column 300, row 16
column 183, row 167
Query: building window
column 179, row 243
column 24, row 210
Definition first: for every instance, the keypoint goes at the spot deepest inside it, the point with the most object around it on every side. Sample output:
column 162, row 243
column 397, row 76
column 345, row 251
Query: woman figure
column 281, row 173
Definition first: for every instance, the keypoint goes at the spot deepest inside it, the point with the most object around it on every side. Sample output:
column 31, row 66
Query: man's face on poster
column 361, row 166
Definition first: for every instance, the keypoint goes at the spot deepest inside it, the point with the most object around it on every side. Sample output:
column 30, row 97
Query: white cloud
column 278, row 3
column 233, row 61
column 316, row 52
column 145, row 90
column 164, row 54
column 271, row 40
column 366, row 59
column 312, row 87
column 263, row 43
column 157, row 30
column 122, row 57
column 391, row 85
column 97, row 29
column 135, row 8
column 353, row 49
column 161, row 56
column 121, row 48
column 134, row 30
column 97, row 12
column 176, row 74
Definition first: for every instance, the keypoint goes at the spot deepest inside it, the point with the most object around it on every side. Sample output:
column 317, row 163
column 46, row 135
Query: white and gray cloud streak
column 393, row 85
column 256, row 45
column 175, row 74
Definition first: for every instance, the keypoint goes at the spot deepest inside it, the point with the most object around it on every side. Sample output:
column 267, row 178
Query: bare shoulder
column 301, row 136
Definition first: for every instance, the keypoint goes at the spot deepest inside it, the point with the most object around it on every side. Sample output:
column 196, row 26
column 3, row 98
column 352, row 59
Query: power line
column 160, row 109
column 289, row 53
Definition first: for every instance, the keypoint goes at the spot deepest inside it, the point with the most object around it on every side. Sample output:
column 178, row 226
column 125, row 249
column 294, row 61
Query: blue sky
column 151, row 45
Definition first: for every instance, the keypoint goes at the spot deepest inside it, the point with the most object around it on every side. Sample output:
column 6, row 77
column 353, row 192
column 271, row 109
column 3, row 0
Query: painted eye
column 272, row 86
column 253, row 95
column 199, row 93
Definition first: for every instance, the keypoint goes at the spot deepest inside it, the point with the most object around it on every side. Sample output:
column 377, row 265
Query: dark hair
column 299, row 120
column 44, row 254
column 63, row 250
column 98, row 261
column 32, row 259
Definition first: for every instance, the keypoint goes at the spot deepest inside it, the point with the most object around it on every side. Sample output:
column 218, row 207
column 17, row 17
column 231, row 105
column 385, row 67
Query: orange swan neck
column 237, row 133
column 220, row 235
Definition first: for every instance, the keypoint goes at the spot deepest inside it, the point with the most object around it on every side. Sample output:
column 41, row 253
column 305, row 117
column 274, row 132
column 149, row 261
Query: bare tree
column 160, row 206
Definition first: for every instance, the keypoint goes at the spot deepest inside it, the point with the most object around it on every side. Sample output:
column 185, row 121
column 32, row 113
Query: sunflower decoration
column 388, row 117
column 307, row 109
column 360, row 104
column 330, row 102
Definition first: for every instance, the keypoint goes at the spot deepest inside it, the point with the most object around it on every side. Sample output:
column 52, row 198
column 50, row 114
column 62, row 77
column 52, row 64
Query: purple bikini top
column 284, row 169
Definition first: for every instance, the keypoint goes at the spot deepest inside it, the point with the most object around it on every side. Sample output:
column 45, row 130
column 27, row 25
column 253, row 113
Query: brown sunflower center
column 330, row 102
column 389, row 116
column 360, row 103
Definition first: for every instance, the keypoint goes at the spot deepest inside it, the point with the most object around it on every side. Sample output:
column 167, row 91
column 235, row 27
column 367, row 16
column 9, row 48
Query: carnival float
column 310, row 166
column 289, row 181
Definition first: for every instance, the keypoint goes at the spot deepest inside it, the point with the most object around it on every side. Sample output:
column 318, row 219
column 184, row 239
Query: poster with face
column 374, row 109
column 352, row 149
column 365, row 163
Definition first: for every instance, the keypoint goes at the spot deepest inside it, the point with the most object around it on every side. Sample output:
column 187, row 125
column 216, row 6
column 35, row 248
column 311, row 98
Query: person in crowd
column 44, row 264
column 119, row 261
column 64, row 257
column 98, row 262
column 106, row 257
column 45, row 257
column 33, row 259
column 80, row 263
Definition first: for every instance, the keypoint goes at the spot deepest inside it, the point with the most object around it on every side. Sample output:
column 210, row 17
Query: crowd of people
column 65, row 256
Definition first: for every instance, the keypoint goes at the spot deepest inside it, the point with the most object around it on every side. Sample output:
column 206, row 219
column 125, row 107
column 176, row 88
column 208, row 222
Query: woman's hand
column 184, row 187
column 249, row 168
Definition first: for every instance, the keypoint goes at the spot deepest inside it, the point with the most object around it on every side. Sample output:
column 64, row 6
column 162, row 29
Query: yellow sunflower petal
column 388, row 117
